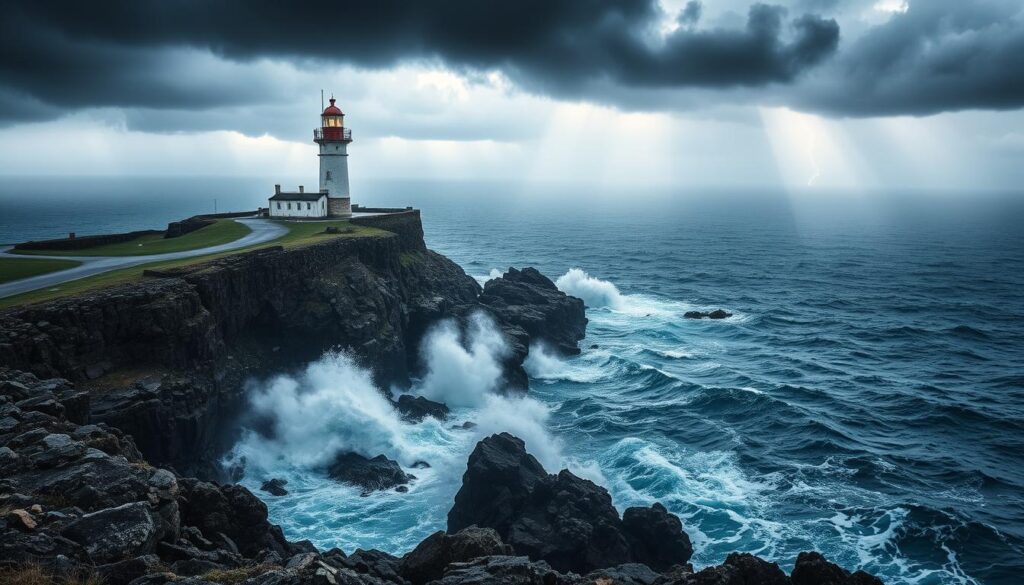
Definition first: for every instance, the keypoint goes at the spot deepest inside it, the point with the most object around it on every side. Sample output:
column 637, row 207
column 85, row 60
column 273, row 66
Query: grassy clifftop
column 299, row 234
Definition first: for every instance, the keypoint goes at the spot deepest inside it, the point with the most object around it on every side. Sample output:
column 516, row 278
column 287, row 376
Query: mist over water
column 865, row 400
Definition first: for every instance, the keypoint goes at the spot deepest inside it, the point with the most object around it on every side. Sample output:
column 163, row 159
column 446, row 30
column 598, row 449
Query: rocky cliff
column 165, row 358
column 79, row 504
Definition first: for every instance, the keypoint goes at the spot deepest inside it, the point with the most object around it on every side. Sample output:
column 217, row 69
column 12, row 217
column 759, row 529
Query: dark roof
column 332, row 110
column 311, row 196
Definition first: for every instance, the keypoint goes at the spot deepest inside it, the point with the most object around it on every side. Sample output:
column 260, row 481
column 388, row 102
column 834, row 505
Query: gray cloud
column 117, row 53
column 202, row 56
column 940, row 55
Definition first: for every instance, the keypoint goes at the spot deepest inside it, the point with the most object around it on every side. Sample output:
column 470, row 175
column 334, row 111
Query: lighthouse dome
column 332, row 110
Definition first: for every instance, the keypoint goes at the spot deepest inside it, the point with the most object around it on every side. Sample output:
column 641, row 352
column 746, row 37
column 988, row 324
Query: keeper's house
column 299, row 204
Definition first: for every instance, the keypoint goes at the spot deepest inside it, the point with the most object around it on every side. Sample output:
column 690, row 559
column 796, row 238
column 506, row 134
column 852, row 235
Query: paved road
column 262, row 231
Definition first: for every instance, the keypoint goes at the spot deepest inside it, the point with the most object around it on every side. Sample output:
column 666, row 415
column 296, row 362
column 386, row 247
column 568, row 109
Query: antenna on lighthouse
column 321, row 100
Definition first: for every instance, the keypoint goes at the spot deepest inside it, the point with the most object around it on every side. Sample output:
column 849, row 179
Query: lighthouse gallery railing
column 331, row 134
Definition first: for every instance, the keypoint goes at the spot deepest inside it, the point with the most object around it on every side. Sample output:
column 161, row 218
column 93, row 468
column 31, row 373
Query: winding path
column 262, row 231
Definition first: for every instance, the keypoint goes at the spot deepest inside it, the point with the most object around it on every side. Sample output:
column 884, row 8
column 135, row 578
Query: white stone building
column 333, row 199
column 298, row 204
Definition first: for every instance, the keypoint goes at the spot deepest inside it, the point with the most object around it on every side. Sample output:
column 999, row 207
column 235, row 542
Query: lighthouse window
column 328, row 176
column 309, row 206
column 279, row 205
column 289, row 206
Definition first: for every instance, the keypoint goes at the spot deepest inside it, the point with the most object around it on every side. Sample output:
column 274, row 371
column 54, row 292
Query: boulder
column 21, row 520
column 656, row 537
column 275, row 487
column 115, row 534
column 379, row 473
column 429, row 559
column 417, row 408
column 562, row 519
column 503, row 570
column 628, row 574
column 738, row 569
column 529, row 308
column 812, row 569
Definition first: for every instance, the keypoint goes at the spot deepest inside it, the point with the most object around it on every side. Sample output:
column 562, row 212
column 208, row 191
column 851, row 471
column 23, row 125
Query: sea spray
column 333, row 406
column 594, row 291
column 462, row 370
column 542, row 363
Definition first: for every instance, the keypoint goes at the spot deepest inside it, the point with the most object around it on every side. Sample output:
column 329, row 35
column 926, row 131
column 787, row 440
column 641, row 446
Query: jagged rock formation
column 417, row 408
column 369, row 474
column 79, row 500
column 165, row 358
column 562, row 519
column 156, row 370
column 529, row 308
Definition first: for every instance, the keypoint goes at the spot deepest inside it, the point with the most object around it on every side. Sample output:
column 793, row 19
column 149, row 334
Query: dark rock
column 402, row 489
column 379, row 473
column 417, row 408
column 375, row 563
column 21, row 520
column 562, row 519
column 656, row 537
column 716, row 314
column 504, row 570
column 114, row 534
column 126, row 571
column 529, row 308
column 193, row 567
column 420, row 465
column 233, row 512
column 466, row 426
column 275, row 487
column 429, row 559
column 628, row 574
column 812, row 569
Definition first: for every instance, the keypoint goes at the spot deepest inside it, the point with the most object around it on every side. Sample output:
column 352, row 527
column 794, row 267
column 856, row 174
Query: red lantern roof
column 332, row 110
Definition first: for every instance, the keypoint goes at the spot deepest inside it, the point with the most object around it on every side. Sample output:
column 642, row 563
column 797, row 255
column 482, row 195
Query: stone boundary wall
column 83, row 242
column 405, row 223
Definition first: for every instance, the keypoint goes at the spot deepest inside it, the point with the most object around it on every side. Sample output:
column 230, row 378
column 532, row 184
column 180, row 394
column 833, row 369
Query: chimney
column 302, row 189
column 277, row 189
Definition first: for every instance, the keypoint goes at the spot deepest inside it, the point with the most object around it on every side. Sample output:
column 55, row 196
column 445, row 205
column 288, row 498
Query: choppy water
column 866, row 400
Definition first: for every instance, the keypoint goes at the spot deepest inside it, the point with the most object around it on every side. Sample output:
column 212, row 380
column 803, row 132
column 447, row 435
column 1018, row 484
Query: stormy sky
column 799, row 93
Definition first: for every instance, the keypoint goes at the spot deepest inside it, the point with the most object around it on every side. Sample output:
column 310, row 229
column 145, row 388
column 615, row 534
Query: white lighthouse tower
column 333, row 138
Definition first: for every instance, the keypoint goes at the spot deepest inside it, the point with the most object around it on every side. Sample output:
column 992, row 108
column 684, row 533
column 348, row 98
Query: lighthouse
column 333, row 138
column 332, row 200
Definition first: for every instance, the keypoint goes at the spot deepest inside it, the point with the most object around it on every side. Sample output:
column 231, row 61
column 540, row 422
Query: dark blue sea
column 866, row 399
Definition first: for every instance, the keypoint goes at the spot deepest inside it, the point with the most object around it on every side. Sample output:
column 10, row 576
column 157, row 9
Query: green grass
column 221, row 232
column 299, row 234
column 17, row 268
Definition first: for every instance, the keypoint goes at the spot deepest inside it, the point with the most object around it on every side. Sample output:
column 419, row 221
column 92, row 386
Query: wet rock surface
column 417, row 408
column 82, row 499
column 368, row 474
column 562, row 519
column 529, row 308
column 716, row 314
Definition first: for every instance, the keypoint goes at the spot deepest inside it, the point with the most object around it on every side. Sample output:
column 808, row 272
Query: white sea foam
column 542, row 364
column 594, row 291
column 494, row 273
column 332, row 407
column 461, row 372
column 602, row 294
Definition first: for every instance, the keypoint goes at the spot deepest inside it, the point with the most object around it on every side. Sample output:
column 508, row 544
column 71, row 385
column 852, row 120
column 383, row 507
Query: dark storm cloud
column 939, row 55
column 153, row 54
column 86, row 54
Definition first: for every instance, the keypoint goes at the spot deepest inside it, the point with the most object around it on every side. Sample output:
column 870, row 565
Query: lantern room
column 332, row 126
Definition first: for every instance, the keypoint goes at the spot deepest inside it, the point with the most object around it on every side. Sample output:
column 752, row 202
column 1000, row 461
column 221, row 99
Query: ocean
column 866, row 398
